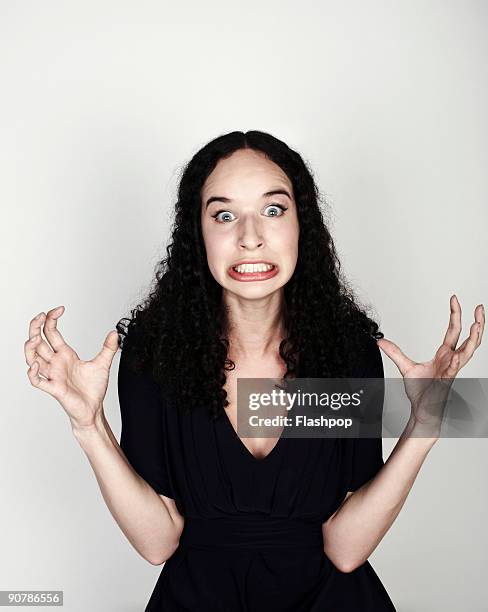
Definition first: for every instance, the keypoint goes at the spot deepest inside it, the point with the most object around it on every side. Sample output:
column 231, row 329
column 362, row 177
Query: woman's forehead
column 245, row 177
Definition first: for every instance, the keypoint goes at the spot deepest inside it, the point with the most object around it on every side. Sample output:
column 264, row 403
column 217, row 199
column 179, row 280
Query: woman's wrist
column 96, row 429
column 414, row 429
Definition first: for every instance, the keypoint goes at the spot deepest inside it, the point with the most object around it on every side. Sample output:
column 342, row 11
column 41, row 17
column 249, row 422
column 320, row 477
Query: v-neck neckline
column 273, row 451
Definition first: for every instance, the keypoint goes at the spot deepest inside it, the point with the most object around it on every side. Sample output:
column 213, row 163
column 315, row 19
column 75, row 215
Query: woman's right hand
column 79, row 386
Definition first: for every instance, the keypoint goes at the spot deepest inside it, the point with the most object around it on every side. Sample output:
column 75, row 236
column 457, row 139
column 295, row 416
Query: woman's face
column 243, row 222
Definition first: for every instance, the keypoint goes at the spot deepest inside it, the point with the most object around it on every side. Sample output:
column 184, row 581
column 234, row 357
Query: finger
column 394, row 352
column 454, row 366
column 469, row 345
column 35, row 325
column 37, row 381
column 31, row 355
column 461, row 347
column 43, row 366
column 37, row 346
column 30, row 349
column 51, row 332
column 454, row 328
column 35, row 328
column 480, row 318
column 110, row 347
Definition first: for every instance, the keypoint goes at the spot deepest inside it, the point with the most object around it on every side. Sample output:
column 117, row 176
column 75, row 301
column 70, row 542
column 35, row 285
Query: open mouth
column 253, row 268
column 250, row 272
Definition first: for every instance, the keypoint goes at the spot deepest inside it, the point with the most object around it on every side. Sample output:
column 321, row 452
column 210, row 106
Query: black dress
column 252, row 539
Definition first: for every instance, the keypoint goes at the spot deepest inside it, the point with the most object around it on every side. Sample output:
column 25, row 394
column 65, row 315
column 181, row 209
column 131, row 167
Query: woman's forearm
column 356, row 528
column 138, row 510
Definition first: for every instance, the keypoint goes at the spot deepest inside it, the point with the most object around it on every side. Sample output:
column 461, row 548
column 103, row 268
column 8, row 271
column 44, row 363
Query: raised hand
column 54, row 367
column 427, row 384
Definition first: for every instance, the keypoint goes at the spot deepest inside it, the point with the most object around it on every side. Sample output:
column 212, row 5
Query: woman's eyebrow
column 265, row 195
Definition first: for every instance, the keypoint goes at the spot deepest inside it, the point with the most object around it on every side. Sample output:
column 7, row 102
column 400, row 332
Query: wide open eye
column 279, row 206
column 224, row 219
column 226, row 212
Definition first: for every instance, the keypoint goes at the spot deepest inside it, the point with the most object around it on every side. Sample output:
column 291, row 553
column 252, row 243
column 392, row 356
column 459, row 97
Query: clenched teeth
column 246, row 268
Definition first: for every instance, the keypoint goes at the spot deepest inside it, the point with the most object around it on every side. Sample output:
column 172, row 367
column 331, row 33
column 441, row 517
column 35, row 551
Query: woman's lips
column 247, row 277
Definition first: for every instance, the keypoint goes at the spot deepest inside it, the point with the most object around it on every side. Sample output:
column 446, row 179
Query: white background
column 101, row 105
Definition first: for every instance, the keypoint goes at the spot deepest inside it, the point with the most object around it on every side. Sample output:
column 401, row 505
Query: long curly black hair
column 179, row 329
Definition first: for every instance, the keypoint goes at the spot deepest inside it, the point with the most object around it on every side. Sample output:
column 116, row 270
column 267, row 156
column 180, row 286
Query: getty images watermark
column 361, row 407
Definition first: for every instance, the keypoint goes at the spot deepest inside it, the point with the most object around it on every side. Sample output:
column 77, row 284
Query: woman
column 245, row 524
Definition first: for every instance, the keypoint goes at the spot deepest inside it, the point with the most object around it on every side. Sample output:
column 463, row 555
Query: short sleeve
column 367, row 452
column 142, row 437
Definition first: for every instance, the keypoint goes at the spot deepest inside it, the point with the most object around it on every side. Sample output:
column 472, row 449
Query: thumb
column 110, row 347
column 402, row 362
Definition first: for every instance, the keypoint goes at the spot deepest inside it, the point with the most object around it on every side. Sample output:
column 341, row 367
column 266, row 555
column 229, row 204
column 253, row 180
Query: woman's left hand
column 427, row 384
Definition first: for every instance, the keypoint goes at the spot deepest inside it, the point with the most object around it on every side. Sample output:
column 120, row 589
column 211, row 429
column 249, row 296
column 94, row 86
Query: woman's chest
column 214, row 474
column 257, row 447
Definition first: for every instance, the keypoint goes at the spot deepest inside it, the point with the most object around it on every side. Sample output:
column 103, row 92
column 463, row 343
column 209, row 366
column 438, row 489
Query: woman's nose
column 251, row 235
